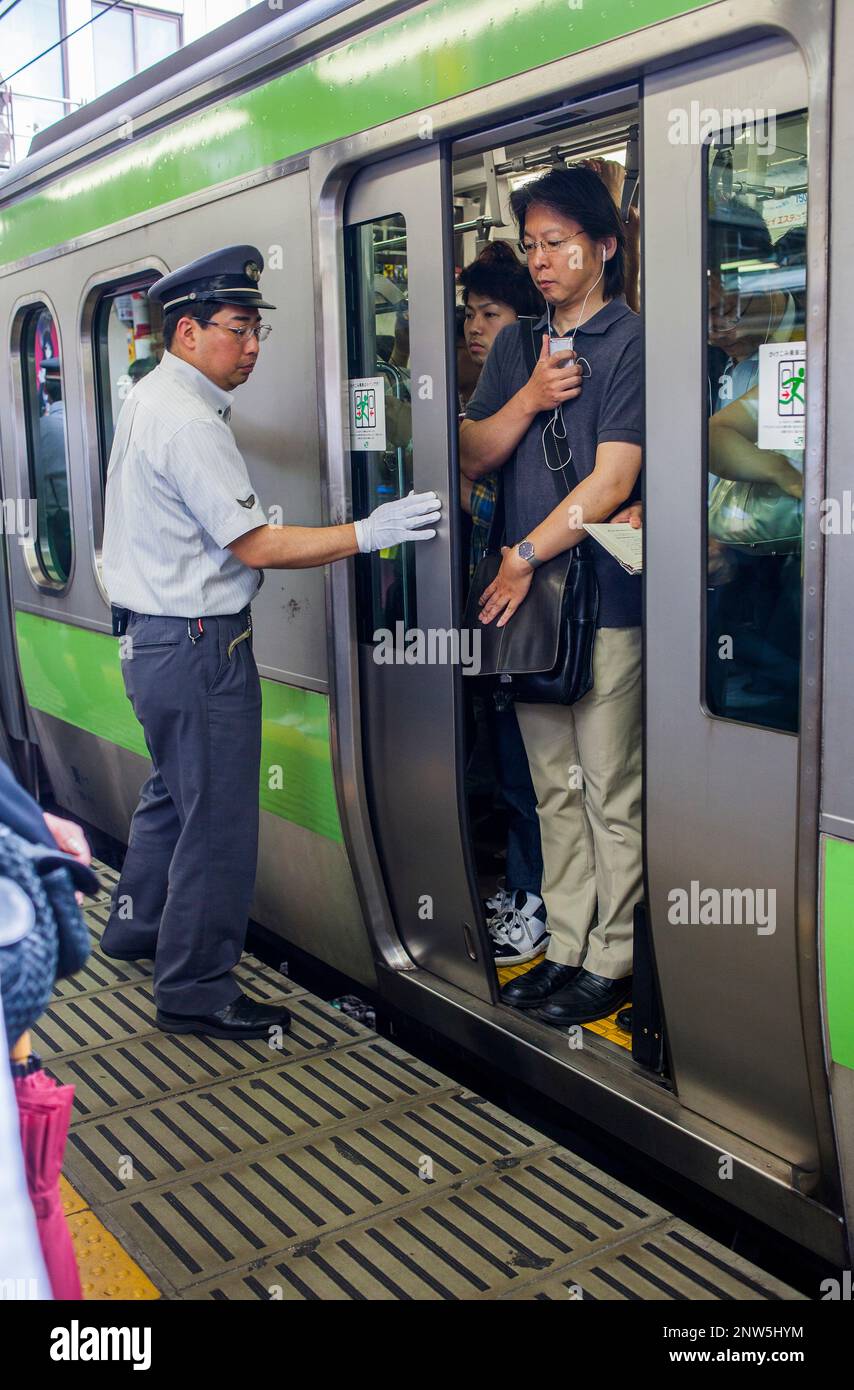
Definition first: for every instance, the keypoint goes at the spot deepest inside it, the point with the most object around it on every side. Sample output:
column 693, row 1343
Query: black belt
column 122, row 617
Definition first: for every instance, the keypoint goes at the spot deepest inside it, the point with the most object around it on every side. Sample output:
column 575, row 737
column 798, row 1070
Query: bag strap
column 557, row 451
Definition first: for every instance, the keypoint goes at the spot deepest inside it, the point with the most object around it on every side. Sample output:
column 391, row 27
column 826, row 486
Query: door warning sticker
column 782, row 391
column 367, row 413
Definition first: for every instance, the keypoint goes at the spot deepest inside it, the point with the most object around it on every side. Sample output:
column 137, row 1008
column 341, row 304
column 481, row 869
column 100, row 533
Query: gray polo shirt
column 610, row 407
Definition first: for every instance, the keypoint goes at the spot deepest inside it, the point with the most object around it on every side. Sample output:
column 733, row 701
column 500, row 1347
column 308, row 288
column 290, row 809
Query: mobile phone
column 560, row 345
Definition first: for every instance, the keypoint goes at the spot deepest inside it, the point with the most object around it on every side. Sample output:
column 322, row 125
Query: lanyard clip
column 199, row 632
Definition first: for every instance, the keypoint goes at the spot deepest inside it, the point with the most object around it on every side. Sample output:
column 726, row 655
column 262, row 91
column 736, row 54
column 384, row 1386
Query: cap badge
column 253, row 270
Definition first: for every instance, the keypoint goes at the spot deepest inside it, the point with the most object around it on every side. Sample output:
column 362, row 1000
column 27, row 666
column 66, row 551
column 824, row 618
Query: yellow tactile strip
column 334, row 1167
column 106, row 1269
column 605, row 1027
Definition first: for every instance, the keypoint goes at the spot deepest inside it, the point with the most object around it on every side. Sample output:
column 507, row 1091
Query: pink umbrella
column 44, row 1109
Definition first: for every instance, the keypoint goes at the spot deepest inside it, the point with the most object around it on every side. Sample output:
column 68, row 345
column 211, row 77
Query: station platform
column 337, row 1166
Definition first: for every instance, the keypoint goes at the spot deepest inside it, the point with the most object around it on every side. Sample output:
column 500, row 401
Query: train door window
column 127, row 344
column 380, row 414
column 47, row 449
column 756, row 287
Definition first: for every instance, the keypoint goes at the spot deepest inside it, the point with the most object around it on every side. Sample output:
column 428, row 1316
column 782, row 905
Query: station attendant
column 185, row 545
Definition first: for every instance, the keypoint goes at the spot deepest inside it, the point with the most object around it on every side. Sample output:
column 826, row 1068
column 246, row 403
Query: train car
column 369, row 150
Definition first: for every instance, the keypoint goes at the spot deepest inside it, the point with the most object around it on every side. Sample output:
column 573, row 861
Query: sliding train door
column 401, row 431
column 730, row 190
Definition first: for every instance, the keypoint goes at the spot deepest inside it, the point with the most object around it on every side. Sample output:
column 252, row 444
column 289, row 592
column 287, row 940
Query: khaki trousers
column 585, row 762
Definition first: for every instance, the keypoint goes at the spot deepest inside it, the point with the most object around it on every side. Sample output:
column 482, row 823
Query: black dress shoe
column 531, row 989
column 242, row 1018
column 588, row 997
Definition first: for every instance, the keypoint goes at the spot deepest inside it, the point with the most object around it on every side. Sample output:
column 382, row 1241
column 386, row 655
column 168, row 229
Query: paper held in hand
column 623, row 541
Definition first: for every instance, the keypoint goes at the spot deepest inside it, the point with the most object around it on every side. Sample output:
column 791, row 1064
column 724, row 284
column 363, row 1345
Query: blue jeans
column 524, row 853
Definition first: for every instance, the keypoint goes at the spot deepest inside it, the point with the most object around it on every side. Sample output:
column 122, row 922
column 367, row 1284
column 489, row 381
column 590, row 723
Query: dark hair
column 204, row 311
column 579, row 193
column 498, row 273
column 53, row 390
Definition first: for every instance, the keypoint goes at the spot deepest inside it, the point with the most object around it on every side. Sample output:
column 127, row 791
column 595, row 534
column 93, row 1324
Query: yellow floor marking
column 71, row 1200
column 605, row 1027
column 106, row 1269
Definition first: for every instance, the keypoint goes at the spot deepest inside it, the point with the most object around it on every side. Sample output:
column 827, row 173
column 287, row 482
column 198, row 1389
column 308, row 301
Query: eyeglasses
column 551, row 248
column 261, row 331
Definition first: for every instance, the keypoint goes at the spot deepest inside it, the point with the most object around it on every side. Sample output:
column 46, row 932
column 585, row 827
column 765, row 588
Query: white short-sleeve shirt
column 178, row 493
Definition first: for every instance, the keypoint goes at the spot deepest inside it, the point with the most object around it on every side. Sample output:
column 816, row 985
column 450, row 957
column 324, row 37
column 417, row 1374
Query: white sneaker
column 498, row 902
column 519, row 932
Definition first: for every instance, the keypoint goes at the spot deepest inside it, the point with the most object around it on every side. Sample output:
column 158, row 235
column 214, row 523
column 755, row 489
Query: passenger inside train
column 496, row 290
column 573, row 238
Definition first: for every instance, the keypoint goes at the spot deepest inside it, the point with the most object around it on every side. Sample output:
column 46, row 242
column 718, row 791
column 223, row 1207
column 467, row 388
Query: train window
column 47, row 457
column 127, row 343
column 380, row 413
column 756, row 290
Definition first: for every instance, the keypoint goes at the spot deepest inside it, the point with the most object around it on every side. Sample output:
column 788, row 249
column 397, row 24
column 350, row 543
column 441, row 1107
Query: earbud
column 604, row 254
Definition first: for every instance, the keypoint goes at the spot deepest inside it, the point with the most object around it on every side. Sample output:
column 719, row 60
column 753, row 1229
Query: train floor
column 337, row 1166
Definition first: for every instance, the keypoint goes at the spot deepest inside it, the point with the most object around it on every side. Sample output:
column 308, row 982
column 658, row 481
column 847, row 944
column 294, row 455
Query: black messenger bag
column 544, row 654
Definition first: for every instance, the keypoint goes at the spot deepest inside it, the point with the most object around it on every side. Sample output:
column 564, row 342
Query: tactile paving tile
column 191, row 1132
column 497, row 1231
column 206, row 1226
column 106, row 1271
column 670, row 1262
column 71, row 1200
column 72, row 1026
column 154, row 1066
column 336, row 1167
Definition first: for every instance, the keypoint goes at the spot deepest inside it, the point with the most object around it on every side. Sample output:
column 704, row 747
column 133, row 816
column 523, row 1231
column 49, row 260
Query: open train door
column 389, row 336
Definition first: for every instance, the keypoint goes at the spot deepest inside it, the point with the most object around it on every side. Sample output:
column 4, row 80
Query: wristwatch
column 525, row 551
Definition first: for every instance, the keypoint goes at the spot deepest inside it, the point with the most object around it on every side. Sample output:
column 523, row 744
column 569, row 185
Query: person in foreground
column 186, row 542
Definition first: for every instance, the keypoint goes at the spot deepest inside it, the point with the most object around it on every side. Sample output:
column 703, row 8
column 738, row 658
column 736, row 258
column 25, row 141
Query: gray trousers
column 189, row 874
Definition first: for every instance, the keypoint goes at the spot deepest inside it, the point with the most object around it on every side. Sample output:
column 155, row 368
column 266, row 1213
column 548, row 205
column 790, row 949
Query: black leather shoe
column 242, row 1018
column 531, row 989
column 588, row 997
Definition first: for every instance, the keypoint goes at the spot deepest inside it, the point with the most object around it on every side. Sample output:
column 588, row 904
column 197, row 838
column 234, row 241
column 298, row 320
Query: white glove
column 398, row 521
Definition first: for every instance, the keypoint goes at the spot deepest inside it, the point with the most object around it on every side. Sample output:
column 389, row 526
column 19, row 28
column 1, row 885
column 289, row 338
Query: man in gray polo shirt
column 585, row 758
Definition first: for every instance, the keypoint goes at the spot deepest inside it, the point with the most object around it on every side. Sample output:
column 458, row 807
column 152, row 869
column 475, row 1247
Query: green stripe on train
column 416, row 61
column 839, row 947
column 74, row 674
